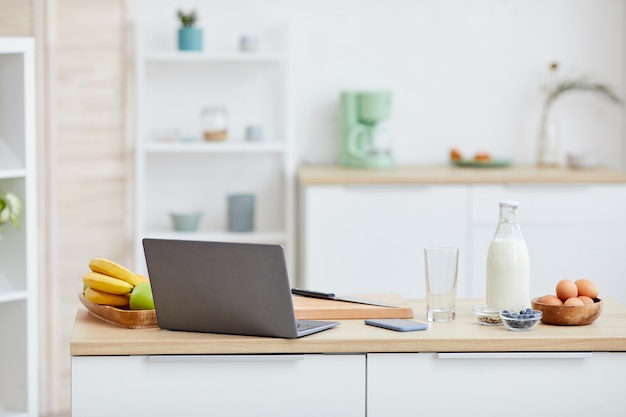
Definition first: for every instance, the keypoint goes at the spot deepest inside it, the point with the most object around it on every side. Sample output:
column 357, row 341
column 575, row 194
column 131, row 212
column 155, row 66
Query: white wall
column 464, row 73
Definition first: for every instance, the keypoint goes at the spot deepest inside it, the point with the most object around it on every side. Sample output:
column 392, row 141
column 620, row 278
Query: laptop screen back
column 220, row 287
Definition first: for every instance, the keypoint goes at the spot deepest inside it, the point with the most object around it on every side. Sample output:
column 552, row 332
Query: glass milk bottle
column 508, row 271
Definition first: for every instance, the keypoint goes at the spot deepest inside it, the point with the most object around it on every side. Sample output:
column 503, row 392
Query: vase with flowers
column 10, row 209
column 548, row 149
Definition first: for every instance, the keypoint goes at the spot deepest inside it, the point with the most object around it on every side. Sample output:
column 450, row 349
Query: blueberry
column 529, row 310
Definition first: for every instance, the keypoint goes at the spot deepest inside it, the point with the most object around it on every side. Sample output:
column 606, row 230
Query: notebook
column 224, row 287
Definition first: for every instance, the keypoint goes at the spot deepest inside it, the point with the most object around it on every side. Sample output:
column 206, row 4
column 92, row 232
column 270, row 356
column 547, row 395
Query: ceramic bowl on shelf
column 569, row 315
column 489, row 315
column 186, row 221
column 522, row 321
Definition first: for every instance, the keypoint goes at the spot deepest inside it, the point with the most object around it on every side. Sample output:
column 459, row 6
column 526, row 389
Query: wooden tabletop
column 91, row 336
column 450, row 174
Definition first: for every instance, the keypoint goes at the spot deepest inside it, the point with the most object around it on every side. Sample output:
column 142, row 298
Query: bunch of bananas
column 109, row 283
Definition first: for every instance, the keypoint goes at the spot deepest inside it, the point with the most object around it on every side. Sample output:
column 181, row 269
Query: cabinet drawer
column 233, row 385
column 511, row 384
column 552, row 203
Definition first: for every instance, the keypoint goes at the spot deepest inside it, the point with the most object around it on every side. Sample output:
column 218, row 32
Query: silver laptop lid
column 221, row 287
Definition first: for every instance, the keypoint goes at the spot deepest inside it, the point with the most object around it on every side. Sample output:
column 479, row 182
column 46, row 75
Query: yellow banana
column 115, row 270
column 104, row 298
column 106, row 283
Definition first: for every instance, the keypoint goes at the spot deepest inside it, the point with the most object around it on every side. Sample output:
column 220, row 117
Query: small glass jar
column 214, row 123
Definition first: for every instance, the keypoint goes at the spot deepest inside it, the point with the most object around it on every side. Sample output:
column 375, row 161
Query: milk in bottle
column 508, row 273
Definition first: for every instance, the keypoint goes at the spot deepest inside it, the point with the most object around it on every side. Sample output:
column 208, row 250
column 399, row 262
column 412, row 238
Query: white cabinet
column 367, row 239
column 379, row 384
column 176, row 169
column 511, row 384
column 230, row 385
column 18, row 257
column 572, row 231
column 370, row 238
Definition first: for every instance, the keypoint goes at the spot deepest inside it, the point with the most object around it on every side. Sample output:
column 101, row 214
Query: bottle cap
column 509, row 203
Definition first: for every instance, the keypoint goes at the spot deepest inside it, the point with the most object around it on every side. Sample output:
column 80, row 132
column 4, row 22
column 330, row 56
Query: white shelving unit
column 18, row 248
column 172, row 88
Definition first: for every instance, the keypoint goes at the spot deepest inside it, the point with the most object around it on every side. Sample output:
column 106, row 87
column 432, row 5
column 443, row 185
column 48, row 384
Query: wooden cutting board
column 308, row 308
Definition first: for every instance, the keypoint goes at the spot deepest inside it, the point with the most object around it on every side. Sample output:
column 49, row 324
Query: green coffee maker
column 365, row 136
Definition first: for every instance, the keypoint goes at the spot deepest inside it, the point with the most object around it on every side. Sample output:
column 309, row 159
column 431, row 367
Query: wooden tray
column 308, row 308
column 131, row 319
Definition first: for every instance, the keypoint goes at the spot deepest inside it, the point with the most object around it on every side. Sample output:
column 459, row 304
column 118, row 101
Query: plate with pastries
column 480, row 159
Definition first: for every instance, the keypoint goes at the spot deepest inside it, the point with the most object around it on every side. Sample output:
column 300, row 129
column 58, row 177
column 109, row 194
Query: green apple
column 141, row 297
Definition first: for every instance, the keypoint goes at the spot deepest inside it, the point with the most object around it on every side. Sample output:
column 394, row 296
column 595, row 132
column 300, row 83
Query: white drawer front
column 235, row 385
column 552, row 203
column 505, row 384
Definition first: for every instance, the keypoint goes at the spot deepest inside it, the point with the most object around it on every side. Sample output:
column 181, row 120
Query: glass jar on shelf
column 214, row 123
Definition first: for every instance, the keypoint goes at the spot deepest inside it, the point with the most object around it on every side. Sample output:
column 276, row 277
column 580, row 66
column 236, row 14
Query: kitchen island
column 351, row 370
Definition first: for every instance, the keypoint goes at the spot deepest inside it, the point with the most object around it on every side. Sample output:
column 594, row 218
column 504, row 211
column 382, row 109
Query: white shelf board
column 12, row 173
column 276, row 237
column 8, row 296
column 215, row 147
column 213, row 56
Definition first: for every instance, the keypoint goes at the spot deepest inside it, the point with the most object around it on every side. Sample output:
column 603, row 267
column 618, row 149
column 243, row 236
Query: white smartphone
column 399, row 325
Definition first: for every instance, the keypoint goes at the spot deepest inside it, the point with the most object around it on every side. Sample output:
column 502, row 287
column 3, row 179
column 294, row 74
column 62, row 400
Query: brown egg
column 566, row 288
column 573, row 301
column 552, row 300
column 585, row 299
column 587, row 287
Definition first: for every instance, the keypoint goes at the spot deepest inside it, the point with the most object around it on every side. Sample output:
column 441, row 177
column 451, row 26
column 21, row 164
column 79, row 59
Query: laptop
column 224, row 287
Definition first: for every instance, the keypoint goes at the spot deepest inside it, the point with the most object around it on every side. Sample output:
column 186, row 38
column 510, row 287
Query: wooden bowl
column 131, row 319
column 568, row 315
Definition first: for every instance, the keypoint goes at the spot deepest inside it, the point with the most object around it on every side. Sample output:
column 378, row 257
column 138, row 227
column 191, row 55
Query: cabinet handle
column 515, row 355
column 223, row 358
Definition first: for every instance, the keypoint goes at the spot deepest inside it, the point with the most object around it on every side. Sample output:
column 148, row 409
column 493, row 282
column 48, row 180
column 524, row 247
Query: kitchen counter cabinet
column 358, row 225
column 233, row 385
column 354, row 369
column 512, row 384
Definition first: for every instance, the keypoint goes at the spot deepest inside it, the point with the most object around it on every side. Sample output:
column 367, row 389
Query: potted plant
column 10, row 208
column 189, row 37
